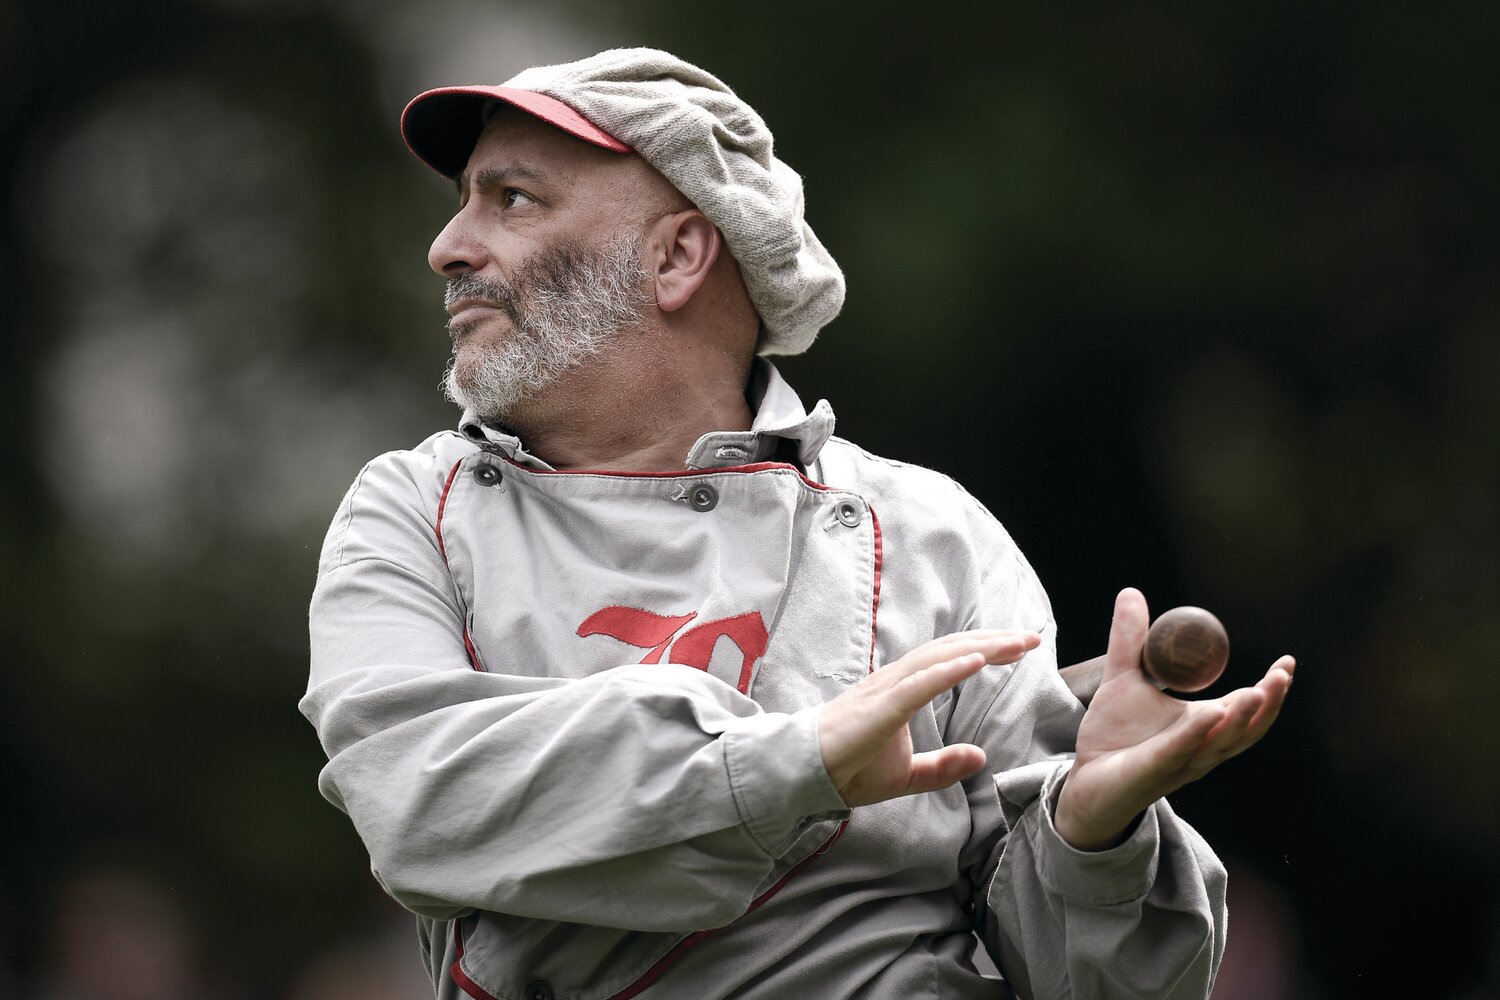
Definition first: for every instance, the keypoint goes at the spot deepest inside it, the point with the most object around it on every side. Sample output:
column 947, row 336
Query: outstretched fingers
column 1240, row 707
column 917, row 679
column 1180, row 744
column 1266, row 698
column 1247, row 716
column 997, row 645
column 909, row 693
column 863, row 733
column 1211, row 732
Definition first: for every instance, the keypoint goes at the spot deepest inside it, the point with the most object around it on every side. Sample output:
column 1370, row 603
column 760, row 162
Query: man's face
column 543, row 261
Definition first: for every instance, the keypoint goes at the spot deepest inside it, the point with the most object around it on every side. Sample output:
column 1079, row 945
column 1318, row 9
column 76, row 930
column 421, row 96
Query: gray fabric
column 576, row 811
column 718, row 152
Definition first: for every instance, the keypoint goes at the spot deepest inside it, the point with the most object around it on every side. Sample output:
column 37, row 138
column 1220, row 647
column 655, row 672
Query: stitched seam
column 338, row 558
column 740, row 804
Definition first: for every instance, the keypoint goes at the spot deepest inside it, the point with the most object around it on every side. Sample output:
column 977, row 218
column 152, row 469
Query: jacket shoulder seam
column 348, row 518
column 409, row 465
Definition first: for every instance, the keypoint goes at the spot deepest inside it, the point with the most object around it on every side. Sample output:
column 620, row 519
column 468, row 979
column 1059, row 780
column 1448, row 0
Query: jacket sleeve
column 1143, row 919
column 649, row 798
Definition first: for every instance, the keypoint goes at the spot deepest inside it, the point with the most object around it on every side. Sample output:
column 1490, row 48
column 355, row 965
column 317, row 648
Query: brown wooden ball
column 1186, row 649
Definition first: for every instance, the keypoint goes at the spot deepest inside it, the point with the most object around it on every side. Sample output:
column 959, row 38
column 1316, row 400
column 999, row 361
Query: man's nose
column 456, row 250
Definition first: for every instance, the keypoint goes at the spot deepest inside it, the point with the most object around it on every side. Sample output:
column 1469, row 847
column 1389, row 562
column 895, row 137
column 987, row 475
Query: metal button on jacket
column 848, row 513
column 703, row 497
column 539, row 990
column 486, row 474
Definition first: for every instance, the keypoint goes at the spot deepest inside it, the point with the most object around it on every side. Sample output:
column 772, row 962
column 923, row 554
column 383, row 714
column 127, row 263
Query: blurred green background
column 1203, row 301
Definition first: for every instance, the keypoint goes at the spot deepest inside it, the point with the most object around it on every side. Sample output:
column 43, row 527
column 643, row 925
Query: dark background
column 1200, row 301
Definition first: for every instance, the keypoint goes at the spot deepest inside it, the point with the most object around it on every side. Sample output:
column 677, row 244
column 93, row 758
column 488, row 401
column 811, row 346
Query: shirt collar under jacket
column 779, row 416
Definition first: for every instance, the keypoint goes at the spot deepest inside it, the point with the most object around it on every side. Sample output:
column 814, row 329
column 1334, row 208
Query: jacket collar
column 779, row 416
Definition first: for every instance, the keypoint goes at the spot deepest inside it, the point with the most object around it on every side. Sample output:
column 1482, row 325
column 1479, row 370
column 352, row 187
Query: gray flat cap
column 687, row 124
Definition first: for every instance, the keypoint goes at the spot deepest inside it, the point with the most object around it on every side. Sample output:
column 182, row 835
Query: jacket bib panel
column 771, row 589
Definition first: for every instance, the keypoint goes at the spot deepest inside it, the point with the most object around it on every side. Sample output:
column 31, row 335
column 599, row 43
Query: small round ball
column 1186, row 649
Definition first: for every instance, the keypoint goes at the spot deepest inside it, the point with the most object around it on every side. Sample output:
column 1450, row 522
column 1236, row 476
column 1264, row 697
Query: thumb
column 1127, row 634
column 937, row 769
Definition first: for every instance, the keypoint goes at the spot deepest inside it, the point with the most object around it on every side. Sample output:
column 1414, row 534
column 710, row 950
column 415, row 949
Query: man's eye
column 514, row 199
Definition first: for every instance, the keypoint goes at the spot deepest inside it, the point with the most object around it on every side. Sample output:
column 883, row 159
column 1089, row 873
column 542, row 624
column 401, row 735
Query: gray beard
column 567, row 303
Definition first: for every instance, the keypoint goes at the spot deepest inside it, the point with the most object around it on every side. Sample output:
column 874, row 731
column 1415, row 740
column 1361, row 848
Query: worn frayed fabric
column 708, row 143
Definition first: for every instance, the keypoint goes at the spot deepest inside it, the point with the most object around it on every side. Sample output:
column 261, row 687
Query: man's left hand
column 1137, row 743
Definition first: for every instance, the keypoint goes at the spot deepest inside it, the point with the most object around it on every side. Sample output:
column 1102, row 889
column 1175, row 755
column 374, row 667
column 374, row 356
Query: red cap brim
column 441, row 126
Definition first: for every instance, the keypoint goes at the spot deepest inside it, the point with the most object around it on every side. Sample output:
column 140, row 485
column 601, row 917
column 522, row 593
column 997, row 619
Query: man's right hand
column 864, row 734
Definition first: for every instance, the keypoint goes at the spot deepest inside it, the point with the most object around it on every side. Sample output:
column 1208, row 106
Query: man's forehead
column 502, row 171
column 531, row 148
column 505, row 125
column 516, row 145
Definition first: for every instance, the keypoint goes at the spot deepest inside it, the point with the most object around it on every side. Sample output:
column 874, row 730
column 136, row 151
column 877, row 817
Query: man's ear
column 689, row 246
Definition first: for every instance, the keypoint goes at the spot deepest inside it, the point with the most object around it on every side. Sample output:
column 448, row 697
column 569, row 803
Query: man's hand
column 863, row 732
column 1137, row 743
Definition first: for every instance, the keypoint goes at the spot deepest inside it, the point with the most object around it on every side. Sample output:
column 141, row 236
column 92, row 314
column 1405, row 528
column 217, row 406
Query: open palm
column 1137, row 743
column 864, row 734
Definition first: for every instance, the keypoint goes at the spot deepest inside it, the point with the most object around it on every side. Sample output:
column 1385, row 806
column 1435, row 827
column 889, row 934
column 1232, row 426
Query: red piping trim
column 473, row 653
column 442, row 505
column 443, row 549
column 681, row 474
column 875, row 602
column 664, row 963
column 456, row 969
column 659, row 968
column 677, row 474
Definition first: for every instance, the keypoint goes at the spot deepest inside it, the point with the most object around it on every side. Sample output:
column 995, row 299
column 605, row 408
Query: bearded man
column 642, row 683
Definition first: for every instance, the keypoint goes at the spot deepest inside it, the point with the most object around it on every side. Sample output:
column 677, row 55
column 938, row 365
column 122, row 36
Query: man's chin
column 490, row 403
column 479, row 337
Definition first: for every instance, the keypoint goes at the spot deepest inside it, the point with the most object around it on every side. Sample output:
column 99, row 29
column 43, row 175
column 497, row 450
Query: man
column 643, row 683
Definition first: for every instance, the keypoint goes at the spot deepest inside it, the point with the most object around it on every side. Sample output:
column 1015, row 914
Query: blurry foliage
column 1200, row 301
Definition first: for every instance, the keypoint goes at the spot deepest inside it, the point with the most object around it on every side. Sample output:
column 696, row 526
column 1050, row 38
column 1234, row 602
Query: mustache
column 495, row 290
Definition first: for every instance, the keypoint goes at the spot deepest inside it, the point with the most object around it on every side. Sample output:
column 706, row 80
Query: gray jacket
column 573, row 717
